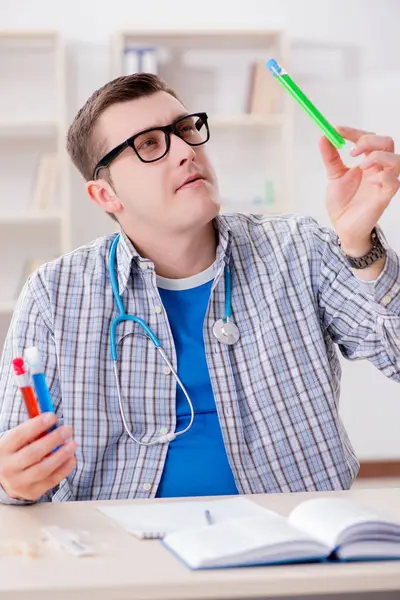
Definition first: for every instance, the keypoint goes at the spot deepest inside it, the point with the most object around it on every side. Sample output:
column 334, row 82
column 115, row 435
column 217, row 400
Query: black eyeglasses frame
column 166, row 129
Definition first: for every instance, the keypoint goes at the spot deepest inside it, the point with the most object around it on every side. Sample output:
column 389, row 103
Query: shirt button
column 166, row 371
column 158, row 309
column 164, row 430
column 386, row 300
column 147, row 487
column 143, row 266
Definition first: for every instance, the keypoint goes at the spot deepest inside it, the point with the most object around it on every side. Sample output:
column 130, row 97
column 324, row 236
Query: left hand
column 357, row 197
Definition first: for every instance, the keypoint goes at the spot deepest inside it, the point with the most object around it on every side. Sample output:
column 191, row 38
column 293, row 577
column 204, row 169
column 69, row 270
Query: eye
column 147, row 143
column 188, row 127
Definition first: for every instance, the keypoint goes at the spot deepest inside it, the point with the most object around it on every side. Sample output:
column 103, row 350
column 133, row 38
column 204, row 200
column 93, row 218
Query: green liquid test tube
column 287, row 82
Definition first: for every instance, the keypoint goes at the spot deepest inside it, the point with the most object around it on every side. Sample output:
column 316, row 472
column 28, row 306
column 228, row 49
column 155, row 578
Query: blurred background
column 345, row 54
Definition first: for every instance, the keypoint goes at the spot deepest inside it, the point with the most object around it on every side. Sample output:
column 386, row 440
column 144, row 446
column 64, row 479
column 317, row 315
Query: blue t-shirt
column 196, row 464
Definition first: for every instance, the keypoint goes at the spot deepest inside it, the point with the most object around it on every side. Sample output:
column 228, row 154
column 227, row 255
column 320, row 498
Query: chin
column 207, row 207
column 197, row 211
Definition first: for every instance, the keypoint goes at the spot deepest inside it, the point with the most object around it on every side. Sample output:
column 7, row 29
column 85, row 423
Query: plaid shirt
column 276, row 390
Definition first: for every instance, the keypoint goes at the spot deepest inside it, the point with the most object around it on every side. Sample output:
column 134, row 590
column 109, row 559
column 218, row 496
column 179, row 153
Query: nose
column 181, row 151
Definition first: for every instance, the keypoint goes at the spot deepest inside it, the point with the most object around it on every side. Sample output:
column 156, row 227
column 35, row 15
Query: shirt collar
column 127, row 253
column 224, row 247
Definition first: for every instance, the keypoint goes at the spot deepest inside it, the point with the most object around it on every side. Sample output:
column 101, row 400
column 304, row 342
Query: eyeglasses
column 153, row 144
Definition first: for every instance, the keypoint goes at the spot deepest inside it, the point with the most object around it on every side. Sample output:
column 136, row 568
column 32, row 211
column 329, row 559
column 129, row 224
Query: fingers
column 43, row 470
column 29, row 466
column 59, row 474
column 351, row 134
column 369, row 142
column 334, row 165
column 30, row 489
column 381, row 158
column 388, row 185
column 34, row 452
column 27, row 432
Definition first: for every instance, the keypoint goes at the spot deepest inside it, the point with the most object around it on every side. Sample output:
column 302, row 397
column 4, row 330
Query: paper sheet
column 150, row 521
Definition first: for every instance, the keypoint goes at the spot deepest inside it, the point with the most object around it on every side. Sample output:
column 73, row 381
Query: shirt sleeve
column 363, row 318
column 30, row 326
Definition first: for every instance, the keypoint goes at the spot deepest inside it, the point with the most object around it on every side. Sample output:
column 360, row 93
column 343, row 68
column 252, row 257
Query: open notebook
column 243, row 533
column 316, row 530
column 155, row 521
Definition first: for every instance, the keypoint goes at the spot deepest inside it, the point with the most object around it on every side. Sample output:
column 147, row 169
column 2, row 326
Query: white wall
column 367, row 95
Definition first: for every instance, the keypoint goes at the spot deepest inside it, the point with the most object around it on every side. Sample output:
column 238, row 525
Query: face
column 152, row 195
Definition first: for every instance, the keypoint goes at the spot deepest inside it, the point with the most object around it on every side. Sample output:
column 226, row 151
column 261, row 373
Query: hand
column 28, row 468
column 357, row 197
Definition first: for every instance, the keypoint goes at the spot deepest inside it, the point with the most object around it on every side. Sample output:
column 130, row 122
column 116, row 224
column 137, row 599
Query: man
column 264, row 400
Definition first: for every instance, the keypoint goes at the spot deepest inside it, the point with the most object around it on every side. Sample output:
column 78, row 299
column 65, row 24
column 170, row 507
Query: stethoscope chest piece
column 226, row 332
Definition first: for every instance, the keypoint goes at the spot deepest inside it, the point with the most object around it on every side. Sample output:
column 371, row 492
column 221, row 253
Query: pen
column 290, row 86
column 39, row 381
column 208, row 516
column 27, row 393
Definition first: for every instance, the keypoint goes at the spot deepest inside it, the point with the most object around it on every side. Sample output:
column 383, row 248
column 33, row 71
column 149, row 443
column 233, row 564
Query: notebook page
column 363, row 550
column 243, row 541
column 327, row 519
column 161, row 518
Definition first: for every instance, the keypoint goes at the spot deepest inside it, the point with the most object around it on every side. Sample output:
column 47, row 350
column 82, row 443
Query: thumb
column 334, row 165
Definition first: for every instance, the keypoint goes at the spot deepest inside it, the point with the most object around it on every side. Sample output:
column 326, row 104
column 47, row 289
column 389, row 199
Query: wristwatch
column 377, row 251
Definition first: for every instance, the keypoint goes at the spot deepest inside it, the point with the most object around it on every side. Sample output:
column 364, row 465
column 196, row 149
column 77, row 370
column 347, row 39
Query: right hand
column 28, row 467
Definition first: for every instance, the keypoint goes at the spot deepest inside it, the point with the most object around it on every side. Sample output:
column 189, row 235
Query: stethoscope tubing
column 122, row 317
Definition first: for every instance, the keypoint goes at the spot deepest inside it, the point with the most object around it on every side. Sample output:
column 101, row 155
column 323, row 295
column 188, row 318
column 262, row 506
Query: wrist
column 365, row 253
column 357, row 249
column 372, row 272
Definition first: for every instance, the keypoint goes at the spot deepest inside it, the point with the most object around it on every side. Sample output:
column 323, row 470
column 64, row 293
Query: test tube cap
column 33, row 361
column 273, row 66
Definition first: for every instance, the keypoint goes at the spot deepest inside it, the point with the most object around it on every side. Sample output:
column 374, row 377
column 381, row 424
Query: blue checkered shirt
column 295, row 301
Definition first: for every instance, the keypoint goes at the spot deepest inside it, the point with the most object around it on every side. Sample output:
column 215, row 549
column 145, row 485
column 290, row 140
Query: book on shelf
column 264, row 93
column 317, row 530
column 45, row 182
column 138, row 59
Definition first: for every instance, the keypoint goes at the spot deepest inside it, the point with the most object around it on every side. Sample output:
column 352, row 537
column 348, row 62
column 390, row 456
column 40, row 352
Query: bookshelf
column 28, row 129
column 32, row 124
column 247, row 121
column 6, row 307
column 15, row 218
column 212, row 71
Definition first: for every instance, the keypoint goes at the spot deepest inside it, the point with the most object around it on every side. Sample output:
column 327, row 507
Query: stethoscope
column 224, row 330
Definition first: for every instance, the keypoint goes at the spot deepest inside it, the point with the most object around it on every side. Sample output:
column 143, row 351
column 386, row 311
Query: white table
column 130, row 568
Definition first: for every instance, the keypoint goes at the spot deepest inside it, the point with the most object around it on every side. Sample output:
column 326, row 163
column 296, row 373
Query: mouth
column 191, row 182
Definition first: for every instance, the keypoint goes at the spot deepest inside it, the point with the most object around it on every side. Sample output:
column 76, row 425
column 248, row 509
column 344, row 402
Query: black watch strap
column 377, row 251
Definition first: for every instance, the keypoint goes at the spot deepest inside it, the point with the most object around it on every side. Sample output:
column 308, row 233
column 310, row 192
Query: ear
column 104, row 196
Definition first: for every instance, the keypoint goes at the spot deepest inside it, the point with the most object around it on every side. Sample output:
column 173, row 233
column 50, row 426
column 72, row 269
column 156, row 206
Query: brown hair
column 83, row 146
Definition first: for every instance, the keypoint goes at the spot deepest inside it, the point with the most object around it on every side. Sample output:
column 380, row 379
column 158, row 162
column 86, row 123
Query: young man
column 264, row 383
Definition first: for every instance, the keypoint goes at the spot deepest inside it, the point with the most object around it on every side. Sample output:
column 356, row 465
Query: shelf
column 28, row 129
column 30, row 34
column 30, row 217
column 247, row 120
column 237, row 39
column 7, row 307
